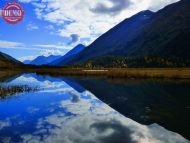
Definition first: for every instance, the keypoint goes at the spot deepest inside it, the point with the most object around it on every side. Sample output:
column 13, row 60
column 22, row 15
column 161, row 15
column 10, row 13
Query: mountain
column 7, row 61
column 116, row 37
column 27, row 61
column 42, row 60
column 164, row 34
column 69, row 56
column 167, row 34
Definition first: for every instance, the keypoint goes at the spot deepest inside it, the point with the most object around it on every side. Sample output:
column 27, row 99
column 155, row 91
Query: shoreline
column 175, row 73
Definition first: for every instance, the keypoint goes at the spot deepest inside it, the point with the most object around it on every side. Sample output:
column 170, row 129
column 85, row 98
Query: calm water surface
column 69, row 110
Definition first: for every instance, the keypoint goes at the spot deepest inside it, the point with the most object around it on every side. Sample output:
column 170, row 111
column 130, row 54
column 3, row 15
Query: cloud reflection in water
column 60, row 113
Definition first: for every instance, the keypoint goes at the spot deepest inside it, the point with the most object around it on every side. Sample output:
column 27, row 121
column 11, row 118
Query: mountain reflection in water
column 63, row 111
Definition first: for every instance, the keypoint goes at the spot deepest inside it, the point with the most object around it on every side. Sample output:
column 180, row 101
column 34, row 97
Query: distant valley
column 42, row 60
column 68, row 57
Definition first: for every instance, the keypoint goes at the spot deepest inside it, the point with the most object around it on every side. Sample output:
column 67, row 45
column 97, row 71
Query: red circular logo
column 13, row 12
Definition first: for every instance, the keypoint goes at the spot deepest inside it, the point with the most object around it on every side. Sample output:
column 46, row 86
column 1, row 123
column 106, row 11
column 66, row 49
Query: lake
column 95, row 110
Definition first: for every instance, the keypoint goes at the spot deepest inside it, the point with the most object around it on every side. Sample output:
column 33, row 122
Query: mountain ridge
column 159, row 35
column 68, row 56
column 43, row 60
column 7, row 61
column 130, row 25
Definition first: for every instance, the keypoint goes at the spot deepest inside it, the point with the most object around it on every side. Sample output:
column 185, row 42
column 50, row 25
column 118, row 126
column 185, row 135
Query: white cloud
column 15, row 45
column 46, row 49
column 86, row 19
column 27, row 58
column 49, row 27
column 112, row 6
column 10, row 44
column 47, row 52
column 53, row 49
column 60, row 46
column 155, row 5
column 31, row 27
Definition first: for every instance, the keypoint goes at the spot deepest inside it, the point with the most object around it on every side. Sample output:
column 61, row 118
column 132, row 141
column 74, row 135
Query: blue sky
column 56, row 26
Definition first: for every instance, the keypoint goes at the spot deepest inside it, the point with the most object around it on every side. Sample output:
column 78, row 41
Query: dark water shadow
column 7, row 76
column 166, row 102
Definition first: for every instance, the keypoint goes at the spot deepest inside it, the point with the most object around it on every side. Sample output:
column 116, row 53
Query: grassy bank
column 121, row 73
column 150, row 73
column 181, row 73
